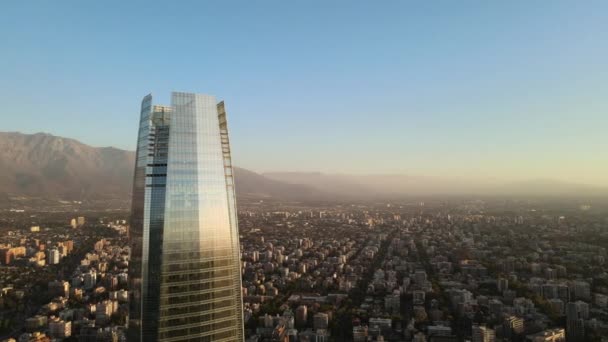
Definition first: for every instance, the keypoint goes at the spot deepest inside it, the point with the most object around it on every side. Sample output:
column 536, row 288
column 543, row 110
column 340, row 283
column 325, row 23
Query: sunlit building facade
column 185, row 278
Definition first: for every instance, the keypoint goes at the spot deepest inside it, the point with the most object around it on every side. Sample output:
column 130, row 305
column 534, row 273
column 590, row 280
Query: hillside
column 43, row 165
column 47, row 166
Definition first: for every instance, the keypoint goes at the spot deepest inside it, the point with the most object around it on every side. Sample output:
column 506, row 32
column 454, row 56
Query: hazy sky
column 493, row 89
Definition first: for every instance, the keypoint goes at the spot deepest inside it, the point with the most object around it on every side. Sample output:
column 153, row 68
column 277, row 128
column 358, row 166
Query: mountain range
column 44, row 165
column 48, row 166
column 399, row 185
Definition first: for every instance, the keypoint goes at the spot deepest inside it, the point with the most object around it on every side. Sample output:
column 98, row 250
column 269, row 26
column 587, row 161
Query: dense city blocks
column 432, row 270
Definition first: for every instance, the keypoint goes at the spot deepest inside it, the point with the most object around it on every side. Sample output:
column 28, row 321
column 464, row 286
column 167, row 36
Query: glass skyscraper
column 185, row 277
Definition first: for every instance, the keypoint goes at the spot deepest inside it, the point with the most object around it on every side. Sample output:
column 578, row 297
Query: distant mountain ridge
column 44, row 165
column 47, row 166
column 396, row 185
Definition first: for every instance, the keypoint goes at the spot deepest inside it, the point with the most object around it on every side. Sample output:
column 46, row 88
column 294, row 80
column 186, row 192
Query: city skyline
column 394, row 171
column 513, row 91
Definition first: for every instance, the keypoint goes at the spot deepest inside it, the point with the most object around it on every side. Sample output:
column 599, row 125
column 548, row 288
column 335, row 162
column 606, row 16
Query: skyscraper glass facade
column 185, row 257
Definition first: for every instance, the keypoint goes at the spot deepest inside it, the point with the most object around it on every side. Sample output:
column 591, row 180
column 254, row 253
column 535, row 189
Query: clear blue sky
column 499, row 89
